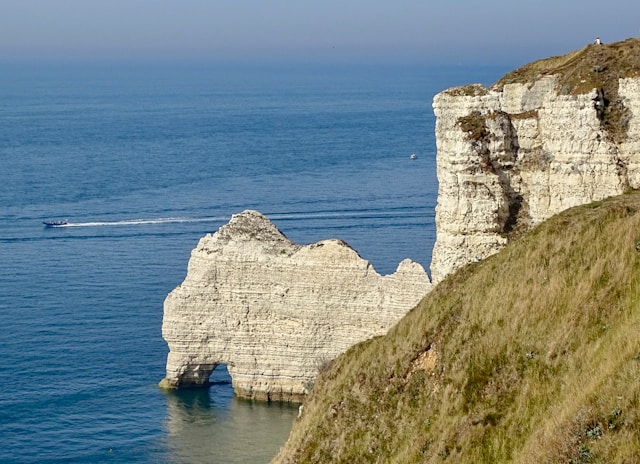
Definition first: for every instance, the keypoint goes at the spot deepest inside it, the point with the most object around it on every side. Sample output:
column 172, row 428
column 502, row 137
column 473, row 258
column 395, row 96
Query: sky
column 320, row 31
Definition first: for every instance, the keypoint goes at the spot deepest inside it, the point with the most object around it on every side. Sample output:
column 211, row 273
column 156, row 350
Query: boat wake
column 135, row 222
column 364, row 214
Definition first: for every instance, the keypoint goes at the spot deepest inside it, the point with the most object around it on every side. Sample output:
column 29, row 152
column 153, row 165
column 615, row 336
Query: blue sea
column 144, row 160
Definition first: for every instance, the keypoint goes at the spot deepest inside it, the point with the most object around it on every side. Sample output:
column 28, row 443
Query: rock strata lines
column 512, row 157
column 274, row 311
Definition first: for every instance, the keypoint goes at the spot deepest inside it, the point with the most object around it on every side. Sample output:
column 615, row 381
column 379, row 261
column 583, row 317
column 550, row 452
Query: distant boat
column 60, row 223
column 414, row 156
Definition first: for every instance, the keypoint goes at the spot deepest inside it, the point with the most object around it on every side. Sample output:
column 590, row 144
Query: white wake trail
column 133, row 222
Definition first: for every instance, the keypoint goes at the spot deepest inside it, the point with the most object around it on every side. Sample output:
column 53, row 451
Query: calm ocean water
column 143, row 161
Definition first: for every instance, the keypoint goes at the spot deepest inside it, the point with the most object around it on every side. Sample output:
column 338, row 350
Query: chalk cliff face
column 274, row 311
column 511, row 156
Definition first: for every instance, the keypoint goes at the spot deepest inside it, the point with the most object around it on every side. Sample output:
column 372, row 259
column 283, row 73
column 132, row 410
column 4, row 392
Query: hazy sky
column 413, row 31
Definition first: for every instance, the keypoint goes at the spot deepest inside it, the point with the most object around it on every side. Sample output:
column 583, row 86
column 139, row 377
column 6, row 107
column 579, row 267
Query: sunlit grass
column 532, row 355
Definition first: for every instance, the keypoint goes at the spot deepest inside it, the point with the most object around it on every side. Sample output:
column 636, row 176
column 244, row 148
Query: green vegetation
column 594, row 67
column 531, row 355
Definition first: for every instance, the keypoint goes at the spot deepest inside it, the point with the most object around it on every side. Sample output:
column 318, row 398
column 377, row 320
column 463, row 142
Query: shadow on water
column 211, row 425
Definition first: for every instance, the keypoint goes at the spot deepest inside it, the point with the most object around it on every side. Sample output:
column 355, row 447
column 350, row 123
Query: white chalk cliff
column 515, row 154
column 554, row 134
column 274, row 311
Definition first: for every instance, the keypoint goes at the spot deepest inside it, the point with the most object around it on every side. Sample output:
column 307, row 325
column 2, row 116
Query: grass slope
column 532, row 355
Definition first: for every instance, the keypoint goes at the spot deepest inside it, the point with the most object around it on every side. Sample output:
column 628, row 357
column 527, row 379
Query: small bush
column 474, row 126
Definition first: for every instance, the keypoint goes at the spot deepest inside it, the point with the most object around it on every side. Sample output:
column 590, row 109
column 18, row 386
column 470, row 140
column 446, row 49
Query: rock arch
column 274, row 311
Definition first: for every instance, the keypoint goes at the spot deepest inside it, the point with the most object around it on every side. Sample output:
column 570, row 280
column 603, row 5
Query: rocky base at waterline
column 274, row 312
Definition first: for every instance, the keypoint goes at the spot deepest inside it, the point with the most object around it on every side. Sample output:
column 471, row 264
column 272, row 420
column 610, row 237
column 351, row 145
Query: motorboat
column 59, row 223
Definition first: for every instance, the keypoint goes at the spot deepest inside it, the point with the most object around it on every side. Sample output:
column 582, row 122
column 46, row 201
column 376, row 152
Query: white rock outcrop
column 515, row 156
column 274, row 311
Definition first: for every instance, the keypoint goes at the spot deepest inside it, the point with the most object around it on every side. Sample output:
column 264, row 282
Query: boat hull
column 61, row 223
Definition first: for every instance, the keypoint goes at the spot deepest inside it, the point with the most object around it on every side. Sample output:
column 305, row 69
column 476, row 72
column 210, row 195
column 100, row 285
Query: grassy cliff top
column 582, row 70
column 598, row 67
column 531, row 355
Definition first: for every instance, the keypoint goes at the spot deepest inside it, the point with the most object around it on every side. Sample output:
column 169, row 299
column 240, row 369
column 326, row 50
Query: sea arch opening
column 220, row 380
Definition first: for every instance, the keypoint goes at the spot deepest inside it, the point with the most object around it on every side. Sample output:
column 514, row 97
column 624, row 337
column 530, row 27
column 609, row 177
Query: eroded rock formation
column 274, row 311
column 511, row 156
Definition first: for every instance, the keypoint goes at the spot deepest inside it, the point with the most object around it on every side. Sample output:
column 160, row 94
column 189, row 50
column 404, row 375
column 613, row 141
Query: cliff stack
column 274, row 311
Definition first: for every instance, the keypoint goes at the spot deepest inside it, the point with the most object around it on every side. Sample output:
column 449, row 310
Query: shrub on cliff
column 531, row 355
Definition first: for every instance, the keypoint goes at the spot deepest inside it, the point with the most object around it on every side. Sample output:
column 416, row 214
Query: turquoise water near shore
column 143, row 161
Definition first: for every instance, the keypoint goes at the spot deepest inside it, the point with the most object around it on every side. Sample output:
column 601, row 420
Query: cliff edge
column 553, row 134
column 275, row 312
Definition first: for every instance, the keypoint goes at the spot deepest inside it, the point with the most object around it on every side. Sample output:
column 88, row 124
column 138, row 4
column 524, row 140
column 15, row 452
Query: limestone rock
column 274, row 311
column 511, row 157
